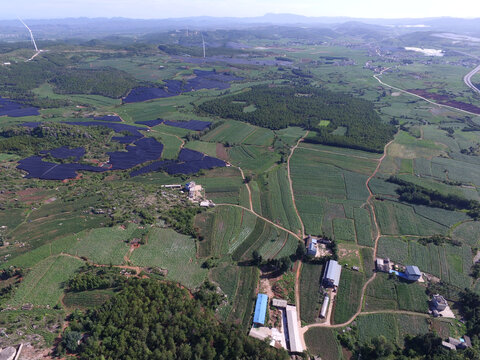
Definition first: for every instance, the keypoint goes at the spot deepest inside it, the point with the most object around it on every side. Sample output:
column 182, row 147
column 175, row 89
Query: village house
column 311, row 245
column 383, row 264
column 439, row 303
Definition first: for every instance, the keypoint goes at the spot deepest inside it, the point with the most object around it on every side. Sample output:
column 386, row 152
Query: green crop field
column 169, row 250
column 233, row 132
column 386, row 293
column 344, row 229
column 252, row 158
column 323, row 342
column 276, row 199
column 208, row 148
column 225, row 229
column 44, row 283
column 86, row 299
column 239, row 284
column 348, row 295
column 310, row 296
column 363, row 227
column 399, row 219
column 103, row 246
column 468, row 233
column 374, row 325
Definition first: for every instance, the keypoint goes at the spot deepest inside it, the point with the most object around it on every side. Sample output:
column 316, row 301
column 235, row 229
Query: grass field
column 310, row 296
column 171, row 144
column 233, row 132
column 208, row 148
column 169, row 250
column 44, row 284
column 348, row 295
column 323, row 342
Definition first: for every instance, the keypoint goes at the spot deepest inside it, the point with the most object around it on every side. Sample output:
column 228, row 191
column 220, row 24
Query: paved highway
column 468, row 79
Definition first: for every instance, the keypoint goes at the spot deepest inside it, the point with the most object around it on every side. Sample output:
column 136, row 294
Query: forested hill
column 153, row 320
column 276, row 107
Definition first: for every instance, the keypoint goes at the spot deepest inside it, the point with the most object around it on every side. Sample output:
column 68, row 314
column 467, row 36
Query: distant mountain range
column 71, row 27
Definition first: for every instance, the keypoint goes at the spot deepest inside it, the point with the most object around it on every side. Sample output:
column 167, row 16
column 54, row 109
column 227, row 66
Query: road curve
column 468, row 79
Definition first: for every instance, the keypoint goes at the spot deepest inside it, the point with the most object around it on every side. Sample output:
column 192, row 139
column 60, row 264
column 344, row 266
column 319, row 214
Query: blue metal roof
column 260, row 309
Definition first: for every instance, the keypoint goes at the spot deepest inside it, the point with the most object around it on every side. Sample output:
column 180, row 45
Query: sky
column 161, row 9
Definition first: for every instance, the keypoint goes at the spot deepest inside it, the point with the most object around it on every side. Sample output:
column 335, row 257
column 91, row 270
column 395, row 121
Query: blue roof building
column 412, row 272
column 260, row 309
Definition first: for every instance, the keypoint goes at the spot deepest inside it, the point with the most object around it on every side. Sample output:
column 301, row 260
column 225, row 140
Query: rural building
column 439, row 303
column 412, row 273
column 293, row 336
column 279, row 303
column 260, row 309
column 332, row 274
column 460, row 343
column 172, row 186
column 449, row 346
column 323, row 312
column 467, row 341
column 311, row 245
column 383, row 264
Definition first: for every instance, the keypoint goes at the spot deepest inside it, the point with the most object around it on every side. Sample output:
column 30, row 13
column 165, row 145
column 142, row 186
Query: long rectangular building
column 332, row 274
column 292, row 328
column 260, row 309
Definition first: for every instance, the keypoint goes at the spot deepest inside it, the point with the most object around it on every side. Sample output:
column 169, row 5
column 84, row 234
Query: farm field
column 348, row 296
column 51, row 229
column 310, row 296
column 324, row 343
column 169, row 250
column 44, row 283
column 239, row 284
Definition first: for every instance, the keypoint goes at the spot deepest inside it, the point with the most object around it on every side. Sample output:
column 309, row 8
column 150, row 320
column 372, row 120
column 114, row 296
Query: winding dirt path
column 248, row 188
column 263, row 218
column 291, row 183
column 377, row 237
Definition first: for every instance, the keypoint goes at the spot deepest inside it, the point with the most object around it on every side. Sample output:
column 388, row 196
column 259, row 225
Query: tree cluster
column 154, row 320
column 420, row 195
column 280, row 106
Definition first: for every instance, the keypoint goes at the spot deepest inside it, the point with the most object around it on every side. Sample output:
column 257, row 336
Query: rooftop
column 260, row 309
column 333, row 272
column 413, row 270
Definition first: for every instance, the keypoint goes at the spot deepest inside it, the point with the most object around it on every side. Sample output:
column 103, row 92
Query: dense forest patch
column 277, row 107
column 152, row 320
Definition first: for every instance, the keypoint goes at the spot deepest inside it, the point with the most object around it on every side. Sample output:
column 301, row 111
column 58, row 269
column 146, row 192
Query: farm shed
column 279, row 303
column 439, row 302
column 323, row 312
column 260, row 309
column 412, row 273
column 382, row 264
column 292, row 328
column 332, row 274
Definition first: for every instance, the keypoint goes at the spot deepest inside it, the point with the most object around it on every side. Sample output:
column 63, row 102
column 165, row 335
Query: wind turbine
column 31, row 35
column 203, row 41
